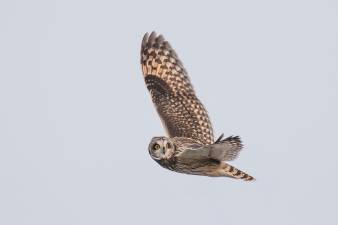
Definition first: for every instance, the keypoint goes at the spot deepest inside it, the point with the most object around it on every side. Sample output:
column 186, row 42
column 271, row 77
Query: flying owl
column 190, row 146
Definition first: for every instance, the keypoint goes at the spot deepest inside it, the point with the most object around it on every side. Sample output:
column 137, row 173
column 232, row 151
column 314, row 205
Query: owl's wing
column 181, row 112
column 222, row 150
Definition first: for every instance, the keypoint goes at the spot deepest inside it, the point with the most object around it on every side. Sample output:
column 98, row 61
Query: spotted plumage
column 190, row 147
column 181, row 111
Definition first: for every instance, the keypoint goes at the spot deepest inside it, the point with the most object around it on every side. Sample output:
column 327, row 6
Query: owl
column 190, row 147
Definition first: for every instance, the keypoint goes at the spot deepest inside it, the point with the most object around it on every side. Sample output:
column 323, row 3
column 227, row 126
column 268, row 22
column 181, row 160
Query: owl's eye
column 156, row 146
column 168, row 145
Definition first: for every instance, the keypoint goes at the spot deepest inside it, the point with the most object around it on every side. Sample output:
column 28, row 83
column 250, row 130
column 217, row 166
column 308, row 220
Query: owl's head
column 161, row 148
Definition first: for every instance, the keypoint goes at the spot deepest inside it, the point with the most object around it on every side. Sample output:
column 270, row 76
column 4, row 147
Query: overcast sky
column 76, row 117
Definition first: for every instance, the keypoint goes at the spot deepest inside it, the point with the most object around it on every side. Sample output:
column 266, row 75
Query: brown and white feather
column 184, row 117
column 181, row 112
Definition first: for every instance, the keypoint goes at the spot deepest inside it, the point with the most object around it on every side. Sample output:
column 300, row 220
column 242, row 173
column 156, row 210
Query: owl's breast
column 169, row 164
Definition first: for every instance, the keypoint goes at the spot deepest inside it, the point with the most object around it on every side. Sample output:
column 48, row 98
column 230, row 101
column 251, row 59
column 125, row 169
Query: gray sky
column 76, row 118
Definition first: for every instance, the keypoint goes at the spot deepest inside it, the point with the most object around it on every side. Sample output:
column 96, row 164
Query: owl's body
column 190, row 147
column 186, row 155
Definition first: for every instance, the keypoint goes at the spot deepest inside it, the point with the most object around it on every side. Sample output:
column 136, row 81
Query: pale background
column 76, row 118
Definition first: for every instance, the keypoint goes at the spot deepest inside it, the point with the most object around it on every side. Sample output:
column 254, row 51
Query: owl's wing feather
column 223, row 150
column 226, row 149
column 182, row 113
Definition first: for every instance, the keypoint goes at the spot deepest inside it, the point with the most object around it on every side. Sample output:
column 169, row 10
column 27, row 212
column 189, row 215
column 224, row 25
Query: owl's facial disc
column 161, row 148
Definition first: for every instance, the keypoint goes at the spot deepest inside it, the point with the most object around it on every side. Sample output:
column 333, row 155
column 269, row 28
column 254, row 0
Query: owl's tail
column 231, row 171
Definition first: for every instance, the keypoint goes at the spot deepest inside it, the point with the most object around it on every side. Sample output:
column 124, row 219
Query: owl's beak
column 163, row 151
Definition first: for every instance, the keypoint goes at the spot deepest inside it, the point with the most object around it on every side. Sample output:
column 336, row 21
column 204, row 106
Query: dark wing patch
column 181, row 112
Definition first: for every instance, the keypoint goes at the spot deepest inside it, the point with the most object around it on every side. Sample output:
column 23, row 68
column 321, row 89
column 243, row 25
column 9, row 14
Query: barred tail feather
column 233, row 172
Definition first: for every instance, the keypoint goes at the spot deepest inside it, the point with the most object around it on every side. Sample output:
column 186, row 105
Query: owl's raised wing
column 181, row 112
